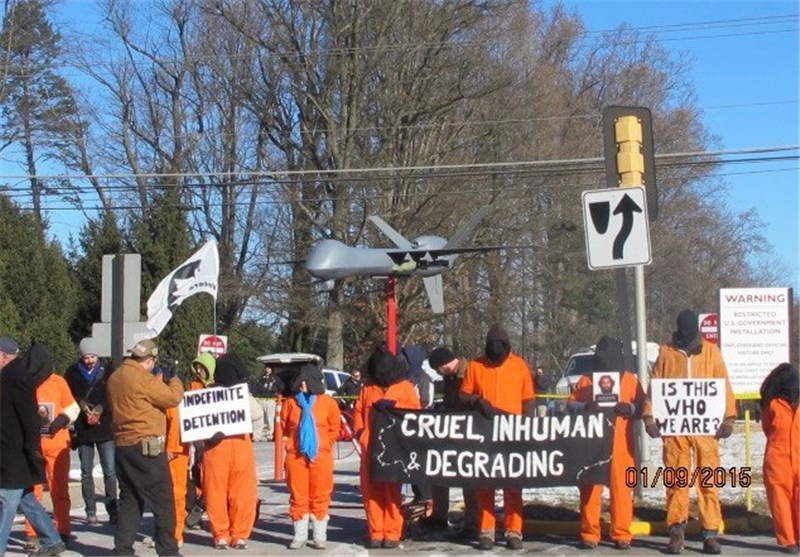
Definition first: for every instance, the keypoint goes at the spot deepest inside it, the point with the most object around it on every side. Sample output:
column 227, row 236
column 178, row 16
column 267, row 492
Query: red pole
column 391, row 316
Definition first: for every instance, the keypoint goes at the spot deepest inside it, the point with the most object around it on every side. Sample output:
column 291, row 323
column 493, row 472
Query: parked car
column 580, row 363
column 285, row 365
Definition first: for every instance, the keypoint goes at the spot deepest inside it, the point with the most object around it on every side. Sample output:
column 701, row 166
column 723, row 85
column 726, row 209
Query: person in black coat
column 87, row 379
column 21, row 460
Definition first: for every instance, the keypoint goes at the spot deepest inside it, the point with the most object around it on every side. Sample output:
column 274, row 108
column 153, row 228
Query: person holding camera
column 139, row 401
column 87, row 379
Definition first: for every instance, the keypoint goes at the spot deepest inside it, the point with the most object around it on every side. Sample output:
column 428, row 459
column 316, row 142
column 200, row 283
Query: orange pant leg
column 179, row 470
column 58, row 481
column 298, row 480
column 621, row 499
column 372, row 506
column 392, row 516
column 216, row 473
column 56, row 466
column 486, row 518
column 512, row 506
column 706, row 455
column 382, row 502
column 321, row 485
column 783, row 495
column 243, row 488
column 591, row 498
column 676, row 454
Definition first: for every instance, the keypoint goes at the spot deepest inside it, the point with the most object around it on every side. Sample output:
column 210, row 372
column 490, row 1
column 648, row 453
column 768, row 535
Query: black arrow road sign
column 627, row 207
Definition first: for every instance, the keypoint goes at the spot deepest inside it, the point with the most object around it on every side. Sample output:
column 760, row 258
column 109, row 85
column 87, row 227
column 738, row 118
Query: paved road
column 347, row 534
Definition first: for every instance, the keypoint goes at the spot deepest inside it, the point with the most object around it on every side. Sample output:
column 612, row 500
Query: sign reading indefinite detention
column 206, row 411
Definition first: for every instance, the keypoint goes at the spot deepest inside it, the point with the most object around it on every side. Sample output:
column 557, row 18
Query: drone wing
column 399, row 240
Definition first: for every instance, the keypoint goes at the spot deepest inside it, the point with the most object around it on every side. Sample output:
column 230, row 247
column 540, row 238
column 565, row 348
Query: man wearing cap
column 452, row 370
column 689, row 356
column 499, row 381
column 88, row 381
column 21, row 460
column 139, row 401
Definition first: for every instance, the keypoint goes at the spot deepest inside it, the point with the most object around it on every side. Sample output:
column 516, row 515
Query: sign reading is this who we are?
column 688, row 406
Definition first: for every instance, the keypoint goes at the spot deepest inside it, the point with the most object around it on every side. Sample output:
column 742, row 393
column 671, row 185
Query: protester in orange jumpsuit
column 229, row 472
column 386, row 387
column 780, row 419
column 58, row 409
column 688, row 356
column 499, row 381
column 310, row 421
column 178, row 455
column 203, row 376
column 608, row 357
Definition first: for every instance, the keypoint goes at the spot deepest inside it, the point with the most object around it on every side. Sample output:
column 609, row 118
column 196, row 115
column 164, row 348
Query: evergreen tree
column 39, row 293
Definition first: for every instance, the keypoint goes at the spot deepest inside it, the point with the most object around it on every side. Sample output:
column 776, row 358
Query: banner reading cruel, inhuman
column 456, row 448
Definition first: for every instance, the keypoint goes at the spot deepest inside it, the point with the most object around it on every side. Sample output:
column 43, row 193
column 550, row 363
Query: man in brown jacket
column 139, row 401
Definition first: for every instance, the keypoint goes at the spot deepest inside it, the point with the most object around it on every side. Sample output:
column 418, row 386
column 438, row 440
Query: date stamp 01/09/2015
column 680, row 476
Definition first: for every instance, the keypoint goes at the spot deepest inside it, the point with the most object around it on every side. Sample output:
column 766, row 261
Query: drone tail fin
column 433, row 286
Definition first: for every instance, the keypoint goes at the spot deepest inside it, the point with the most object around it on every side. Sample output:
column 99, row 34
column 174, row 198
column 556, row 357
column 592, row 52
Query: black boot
column 111, row 509
column 676, row 532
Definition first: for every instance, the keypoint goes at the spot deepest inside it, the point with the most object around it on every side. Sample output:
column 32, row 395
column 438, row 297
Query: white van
column 580, row 363
column 285, row 365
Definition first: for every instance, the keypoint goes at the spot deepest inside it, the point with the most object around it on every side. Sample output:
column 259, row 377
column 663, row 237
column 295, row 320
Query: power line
column 392, row 170
column 465, row 173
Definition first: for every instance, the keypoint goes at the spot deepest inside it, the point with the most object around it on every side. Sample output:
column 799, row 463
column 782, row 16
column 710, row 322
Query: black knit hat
column 440, row 356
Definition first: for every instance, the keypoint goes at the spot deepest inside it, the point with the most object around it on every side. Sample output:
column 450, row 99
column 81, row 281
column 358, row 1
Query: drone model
column 425, row 256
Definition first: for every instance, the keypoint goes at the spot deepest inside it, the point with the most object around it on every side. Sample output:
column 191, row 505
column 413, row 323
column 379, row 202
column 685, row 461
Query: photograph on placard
column 605, row 388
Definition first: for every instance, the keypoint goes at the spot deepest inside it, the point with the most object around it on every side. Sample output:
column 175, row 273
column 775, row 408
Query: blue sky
column 746, row 77
column 745, row 70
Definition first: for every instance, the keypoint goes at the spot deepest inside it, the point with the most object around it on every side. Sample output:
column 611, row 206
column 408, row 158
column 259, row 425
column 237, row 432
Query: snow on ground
column 732, row 455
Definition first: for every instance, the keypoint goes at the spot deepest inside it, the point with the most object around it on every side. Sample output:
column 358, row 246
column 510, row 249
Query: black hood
column 608, row 355
column 687, row 335
column 39, row 363
column 782, row 382
column 384, row 368
column 230, row 371
column 313, row 377
column 498, row 345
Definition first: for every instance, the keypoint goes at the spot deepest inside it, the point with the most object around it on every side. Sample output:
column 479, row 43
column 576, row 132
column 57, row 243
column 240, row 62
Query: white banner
column 206, row 411
column 199, row 273
column 754, row 334
column 688, row 406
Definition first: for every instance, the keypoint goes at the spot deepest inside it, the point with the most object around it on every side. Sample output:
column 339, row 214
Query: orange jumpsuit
column 673, row 363
column 622, row 458
column 506, row 387
column 55, row 391
column 781, row 425
column 230, row 487
column 310, row 483
column 382, row 499
column 178, row 455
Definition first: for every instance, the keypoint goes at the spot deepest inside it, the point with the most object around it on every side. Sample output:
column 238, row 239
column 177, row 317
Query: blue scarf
column 89, row 374
column 307, row 432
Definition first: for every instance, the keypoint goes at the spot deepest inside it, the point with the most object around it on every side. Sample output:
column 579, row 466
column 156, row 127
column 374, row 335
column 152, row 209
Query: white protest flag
column 199, row 273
